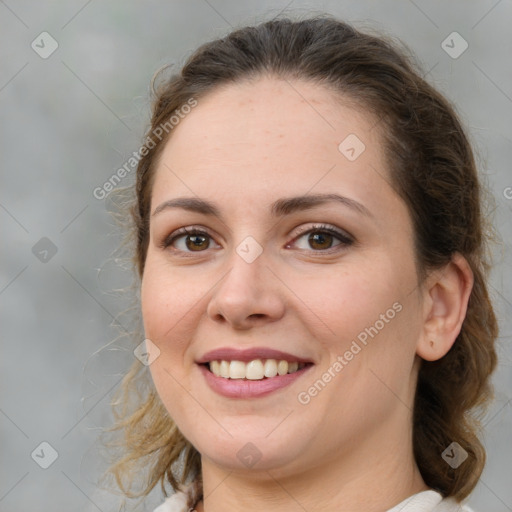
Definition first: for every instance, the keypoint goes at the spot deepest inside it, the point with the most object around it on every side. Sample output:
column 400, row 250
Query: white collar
column 424, row 501
column 429, row 501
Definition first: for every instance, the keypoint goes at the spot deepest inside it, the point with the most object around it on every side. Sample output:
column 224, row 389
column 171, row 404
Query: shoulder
column 183, row 500
column 430, row 501
column 450, row 505
column 175, row 503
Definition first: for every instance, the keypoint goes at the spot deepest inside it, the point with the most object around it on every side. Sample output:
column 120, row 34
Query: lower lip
column 241, row 388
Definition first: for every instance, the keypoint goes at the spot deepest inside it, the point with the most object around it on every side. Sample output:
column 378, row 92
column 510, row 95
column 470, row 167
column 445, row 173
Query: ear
column 445, row 301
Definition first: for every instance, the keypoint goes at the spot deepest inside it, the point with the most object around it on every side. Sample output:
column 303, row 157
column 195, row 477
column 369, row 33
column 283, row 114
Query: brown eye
column 320, row 240
column 189, row 240
column 197, row 242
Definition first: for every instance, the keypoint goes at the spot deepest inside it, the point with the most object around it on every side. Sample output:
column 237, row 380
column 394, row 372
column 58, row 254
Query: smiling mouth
column 257, row 369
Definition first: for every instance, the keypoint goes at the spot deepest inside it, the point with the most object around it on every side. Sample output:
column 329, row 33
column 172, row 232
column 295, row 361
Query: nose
column 247, row 296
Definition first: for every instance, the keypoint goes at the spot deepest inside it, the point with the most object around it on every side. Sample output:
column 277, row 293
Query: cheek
column 169, row 307
column 341, row 304
column 366, row 316
column 169, row 300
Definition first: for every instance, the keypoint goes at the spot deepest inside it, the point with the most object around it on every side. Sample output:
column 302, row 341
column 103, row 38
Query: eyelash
column 344, row 239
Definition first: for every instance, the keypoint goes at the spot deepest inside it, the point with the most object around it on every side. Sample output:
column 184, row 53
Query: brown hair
column 432, row 168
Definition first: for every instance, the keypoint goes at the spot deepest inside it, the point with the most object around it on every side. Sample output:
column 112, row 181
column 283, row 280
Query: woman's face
column 298, row 249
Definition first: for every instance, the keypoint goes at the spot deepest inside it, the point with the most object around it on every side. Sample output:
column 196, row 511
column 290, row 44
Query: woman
column 311, row 251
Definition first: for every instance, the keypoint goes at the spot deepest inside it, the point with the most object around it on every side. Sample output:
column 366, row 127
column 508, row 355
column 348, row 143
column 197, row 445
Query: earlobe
column 447, row 293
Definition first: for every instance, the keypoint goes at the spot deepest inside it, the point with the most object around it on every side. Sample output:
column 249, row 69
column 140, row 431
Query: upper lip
column 249, row 354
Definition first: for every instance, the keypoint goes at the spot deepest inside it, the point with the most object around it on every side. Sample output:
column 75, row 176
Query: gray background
column 69, row 121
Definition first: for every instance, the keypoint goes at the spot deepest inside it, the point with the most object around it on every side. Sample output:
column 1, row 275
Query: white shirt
column 424, row 501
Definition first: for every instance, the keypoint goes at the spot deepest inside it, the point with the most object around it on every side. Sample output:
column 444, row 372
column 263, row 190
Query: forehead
column 261, row 138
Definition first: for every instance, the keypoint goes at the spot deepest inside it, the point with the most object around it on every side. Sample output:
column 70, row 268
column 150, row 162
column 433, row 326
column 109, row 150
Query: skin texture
column 349, row 448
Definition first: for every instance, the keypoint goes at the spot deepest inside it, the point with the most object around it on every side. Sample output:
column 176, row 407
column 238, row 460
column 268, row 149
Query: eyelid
column 344, row 237
column 185, row 230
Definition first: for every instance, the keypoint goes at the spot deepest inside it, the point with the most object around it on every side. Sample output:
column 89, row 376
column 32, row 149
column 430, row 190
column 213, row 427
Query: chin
column 249, row 449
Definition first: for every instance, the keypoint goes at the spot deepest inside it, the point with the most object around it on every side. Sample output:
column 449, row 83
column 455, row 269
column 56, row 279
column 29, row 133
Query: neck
column 364, row 479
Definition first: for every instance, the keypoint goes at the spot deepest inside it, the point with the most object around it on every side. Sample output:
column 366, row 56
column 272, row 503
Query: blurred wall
column 74, row 80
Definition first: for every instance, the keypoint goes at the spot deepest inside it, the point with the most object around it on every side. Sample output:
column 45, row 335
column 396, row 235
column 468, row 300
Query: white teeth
column 215, row 367
column 282, row 367
column 293, row 367
column 270, row 369
column 223, row 370
column 236, row 370
column 256, row 369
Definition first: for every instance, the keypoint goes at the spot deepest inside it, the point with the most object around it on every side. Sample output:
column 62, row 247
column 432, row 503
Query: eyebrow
column 279, row 208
